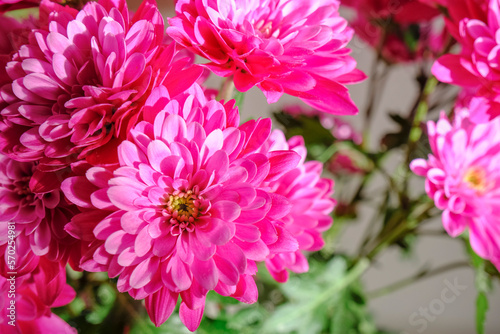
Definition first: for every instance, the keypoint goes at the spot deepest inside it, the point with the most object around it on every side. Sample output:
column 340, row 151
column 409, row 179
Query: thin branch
column 424, row 273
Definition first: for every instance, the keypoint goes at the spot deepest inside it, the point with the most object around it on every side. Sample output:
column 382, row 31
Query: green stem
column 374, row 89
column 424, row 273
column 371, row 227
column 226, row 91
column 328, row 153
column 421, row 110
column 398, row 226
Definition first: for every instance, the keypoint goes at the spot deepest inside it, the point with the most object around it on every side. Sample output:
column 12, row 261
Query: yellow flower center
column 475, row 178
column 183, row 206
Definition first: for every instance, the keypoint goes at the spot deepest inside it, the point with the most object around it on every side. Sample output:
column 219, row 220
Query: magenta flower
column 476, row 67
column 80, row 84
column 277, row 45
column 184, row 213
column 39, row 220
column 311, row 206
column 462, row 176
column 35, row 295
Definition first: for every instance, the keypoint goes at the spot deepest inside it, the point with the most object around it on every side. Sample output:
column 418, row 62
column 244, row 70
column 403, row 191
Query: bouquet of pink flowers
column 130, row 187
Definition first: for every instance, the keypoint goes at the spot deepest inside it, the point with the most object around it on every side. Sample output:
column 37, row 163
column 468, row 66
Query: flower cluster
column 35, row 295
column 115, row 158
column 402, row 31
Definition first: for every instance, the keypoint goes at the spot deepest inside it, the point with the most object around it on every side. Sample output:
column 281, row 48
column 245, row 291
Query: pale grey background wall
column 393, row 311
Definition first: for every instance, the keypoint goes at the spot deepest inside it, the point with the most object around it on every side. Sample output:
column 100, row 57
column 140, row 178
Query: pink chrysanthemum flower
column 39, row 220
column 311, row 206
column 80, row 84
column 463, row 177
column 184, row 213
column 477, row 66
column 280, row 46
column 35, row 295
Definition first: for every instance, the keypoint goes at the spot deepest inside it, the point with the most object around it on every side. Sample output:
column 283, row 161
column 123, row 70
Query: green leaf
column 292, row 316
column 481, row 309
column 247, row 317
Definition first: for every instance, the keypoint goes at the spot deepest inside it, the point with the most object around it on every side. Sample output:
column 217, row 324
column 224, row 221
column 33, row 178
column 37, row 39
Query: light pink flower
column 477, row 66
column 463, row 177
column 280, row 46
column 35, row 294
column 311, row 206
column 184, row 213
column 80, row 84
column 39, row 220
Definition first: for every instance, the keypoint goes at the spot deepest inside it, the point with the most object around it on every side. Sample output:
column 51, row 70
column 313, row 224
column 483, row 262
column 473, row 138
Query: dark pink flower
column 401, row 11
column 279, row 46
column 347, row 161
column 7, row 5
column 311, row 206
column 184, row 213
column 35, row 295
column 39, row 220
column 463, row 178
column 80, row 84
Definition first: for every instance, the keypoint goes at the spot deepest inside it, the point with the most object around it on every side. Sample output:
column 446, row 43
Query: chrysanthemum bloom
column 80, row 84
column 402, row 30
column 463, row 177
column 477, row 66
column 34, row 296
column 280, row 46
column 311, row 205
column 39, row 220
column 184, row 213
